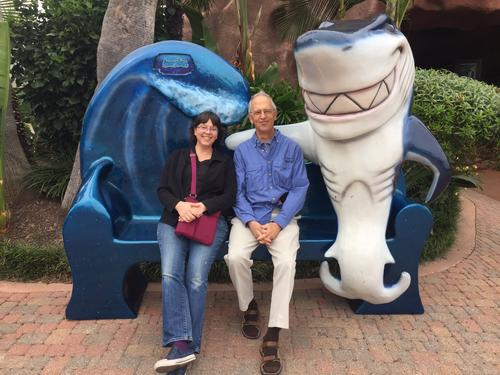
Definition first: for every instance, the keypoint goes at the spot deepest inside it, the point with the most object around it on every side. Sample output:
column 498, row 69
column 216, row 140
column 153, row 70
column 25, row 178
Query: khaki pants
column 283, row 250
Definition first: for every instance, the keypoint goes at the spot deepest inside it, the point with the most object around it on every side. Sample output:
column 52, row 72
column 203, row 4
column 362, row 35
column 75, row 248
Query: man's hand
column 271, row 232
column 258, row 231
column 185, row 211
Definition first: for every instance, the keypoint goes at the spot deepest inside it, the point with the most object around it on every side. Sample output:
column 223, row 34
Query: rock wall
column 267, row 47
column 222, row 21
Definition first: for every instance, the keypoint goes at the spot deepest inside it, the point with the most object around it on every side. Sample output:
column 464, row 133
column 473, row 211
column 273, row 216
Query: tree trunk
column 126, row 27
column 16, row 164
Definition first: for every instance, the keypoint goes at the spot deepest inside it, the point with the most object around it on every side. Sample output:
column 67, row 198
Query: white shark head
column 355, row 75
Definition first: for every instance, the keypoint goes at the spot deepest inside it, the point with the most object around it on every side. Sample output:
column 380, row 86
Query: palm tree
column 7, row 9
column 294, row 17
column 4, row 100
column 13, row 162
column 126, row 26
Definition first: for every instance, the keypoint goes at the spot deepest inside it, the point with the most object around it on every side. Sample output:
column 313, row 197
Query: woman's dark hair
column 201, row 119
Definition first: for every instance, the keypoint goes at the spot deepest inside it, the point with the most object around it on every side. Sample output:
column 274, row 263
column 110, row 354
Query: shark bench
column 141, row 113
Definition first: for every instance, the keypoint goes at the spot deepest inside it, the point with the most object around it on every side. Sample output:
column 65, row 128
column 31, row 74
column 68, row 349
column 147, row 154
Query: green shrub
column 288, row 99
column 49, row 179
column 462, row 113
column 261, row 271
column 33, row 262
column 54, row 66
column 445, row 210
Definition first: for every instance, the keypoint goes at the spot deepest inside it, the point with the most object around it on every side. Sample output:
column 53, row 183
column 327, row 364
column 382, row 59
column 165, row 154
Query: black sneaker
column 174, row 360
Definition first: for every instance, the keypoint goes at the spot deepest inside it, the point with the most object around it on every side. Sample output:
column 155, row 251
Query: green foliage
column 169, row 22
column 462, row 113
column 294, row 17
column 288, row 99
column 396, row 9
column 261, row 271
column 33, row 262
column 7, row 9
column 51, row 179
column 445, row 210
column 54, row 66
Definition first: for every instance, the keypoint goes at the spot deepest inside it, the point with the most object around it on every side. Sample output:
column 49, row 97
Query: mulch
column 35, row 220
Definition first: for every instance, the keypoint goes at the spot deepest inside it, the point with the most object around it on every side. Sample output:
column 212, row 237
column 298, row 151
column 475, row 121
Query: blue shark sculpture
column 357, row 81
column 138, row 115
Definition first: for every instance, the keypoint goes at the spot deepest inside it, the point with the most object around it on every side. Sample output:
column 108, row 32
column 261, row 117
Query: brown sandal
column 271, row 363
column 250, row 326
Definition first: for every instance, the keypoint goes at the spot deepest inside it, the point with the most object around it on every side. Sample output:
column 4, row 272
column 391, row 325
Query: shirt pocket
column 254, row 180
column 282, row 175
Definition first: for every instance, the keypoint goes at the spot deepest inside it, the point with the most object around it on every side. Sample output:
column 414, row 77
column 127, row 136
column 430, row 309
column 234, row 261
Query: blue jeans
column 185, row 265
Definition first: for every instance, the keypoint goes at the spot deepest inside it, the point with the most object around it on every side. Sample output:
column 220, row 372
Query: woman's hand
column 185, row 211
column 198, row 209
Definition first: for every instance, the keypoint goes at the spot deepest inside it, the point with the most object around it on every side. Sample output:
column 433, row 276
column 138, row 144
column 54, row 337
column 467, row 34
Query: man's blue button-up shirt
column 264, row 173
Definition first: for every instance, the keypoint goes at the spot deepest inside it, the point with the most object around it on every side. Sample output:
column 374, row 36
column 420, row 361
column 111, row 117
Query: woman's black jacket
column 216, row 189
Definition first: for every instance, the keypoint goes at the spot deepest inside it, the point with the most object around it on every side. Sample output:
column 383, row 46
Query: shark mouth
column 350, row 102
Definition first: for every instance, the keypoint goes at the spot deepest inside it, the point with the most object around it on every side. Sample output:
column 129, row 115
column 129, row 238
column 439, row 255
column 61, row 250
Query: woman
column 185, row 264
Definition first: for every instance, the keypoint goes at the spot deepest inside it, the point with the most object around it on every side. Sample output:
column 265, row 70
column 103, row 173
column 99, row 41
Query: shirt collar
column 276, row 138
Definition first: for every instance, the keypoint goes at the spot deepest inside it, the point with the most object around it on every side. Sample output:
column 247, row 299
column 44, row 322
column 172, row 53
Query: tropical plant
column 396, row 9
column 169, row 19
column 49, row 178
column 4, row 100
column 244, row 56
column 288, row 98
column 294, row 17
column 7, row 9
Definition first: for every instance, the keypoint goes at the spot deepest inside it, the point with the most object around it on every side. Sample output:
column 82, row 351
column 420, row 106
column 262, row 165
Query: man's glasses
column 210, row 129
column 260, row 112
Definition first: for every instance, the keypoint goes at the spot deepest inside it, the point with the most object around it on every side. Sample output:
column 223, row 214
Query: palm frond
column 7, row 10
column 294, row 17
column 200, row 5
column 4, row 100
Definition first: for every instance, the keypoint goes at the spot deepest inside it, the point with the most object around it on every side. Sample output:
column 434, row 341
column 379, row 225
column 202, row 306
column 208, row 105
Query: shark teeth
column 350, row 102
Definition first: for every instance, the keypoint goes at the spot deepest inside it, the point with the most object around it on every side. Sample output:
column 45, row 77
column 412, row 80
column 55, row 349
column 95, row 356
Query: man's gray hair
column 261, row 93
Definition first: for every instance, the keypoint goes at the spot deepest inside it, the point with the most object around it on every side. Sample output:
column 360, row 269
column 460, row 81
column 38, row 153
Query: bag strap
column 192, row 155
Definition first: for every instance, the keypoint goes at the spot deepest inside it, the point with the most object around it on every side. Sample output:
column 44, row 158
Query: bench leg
column 111, row 292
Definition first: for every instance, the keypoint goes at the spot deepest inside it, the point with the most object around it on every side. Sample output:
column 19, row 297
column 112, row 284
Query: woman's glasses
column 209, row 129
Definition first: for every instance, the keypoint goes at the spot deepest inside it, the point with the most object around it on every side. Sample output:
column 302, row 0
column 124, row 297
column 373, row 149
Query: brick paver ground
column 458, row 334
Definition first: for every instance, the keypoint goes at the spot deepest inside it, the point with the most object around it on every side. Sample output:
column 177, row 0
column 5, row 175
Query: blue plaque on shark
column 357, row 82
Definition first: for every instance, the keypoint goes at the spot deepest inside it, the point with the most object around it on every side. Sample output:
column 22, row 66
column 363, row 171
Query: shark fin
column 235, row 139
column 422, row 147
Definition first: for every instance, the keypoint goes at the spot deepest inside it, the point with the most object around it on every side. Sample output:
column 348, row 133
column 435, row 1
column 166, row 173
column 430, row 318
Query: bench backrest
column 142, row 111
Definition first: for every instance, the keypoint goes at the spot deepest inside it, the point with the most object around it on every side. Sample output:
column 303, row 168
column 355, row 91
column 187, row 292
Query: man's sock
column 272, row 334
column 253, row 305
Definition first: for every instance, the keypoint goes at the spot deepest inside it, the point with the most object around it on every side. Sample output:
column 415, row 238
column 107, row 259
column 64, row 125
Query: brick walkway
column 458, row 334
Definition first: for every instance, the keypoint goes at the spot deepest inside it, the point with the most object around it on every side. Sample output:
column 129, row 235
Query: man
column 271, row 188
